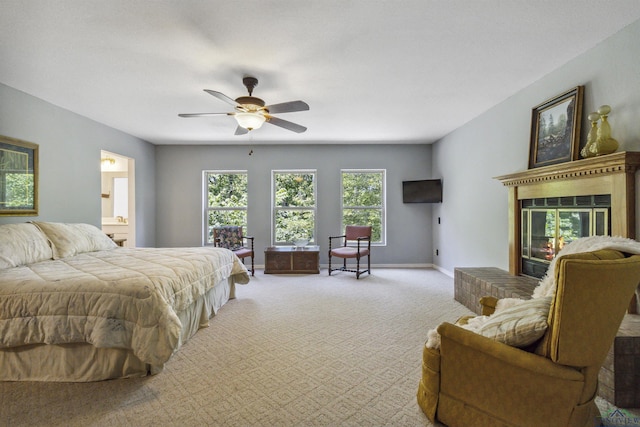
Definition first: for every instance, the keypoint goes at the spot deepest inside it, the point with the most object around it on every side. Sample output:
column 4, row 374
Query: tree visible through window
column 294, row 206
column 18, row 190
column 16, row 181
column 226, row 194
column 363, row 201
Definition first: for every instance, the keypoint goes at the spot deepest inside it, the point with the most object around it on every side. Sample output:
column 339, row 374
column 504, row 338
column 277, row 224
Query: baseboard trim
column 373, row 266
column 443, row 271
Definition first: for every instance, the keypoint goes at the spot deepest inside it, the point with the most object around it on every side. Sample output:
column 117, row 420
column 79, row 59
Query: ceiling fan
column 250, row 112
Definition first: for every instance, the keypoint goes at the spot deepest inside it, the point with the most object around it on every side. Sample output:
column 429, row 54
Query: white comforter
column 123, row 298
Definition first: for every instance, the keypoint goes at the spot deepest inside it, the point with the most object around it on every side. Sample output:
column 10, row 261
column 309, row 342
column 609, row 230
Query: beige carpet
column 289, row 351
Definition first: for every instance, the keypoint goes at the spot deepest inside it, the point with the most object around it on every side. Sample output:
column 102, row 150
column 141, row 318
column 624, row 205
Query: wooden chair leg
column 252, row 269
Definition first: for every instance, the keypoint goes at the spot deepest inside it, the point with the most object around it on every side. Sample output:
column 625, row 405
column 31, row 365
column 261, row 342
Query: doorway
column 118, row 197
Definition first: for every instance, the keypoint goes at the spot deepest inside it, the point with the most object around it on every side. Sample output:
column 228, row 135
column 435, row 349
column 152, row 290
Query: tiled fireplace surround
column 613, row 174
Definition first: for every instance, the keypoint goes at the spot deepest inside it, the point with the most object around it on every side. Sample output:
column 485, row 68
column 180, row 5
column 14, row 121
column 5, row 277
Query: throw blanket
column 547, row 286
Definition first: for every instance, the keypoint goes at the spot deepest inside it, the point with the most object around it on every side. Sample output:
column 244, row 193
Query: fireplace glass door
column 546, row 230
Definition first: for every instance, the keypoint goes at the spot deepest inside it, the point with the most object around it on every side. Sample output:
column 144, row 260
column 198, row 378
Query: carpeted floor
column 291, row 350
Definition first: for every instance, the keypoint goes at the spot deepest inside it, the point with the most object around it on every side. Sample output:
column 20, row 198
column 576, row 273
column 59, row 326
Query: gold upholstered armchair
column 472, row 380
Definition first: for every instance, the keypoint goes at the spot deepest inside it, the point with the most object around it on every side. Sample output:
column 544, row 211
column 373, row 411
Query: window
column 294, row 206
column 363, row 201
column 226, row 200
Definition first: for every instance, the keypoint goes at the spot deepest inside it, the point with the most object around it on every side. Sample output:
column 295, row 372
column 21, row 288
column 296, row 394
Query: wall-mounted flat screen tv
column 424, row 191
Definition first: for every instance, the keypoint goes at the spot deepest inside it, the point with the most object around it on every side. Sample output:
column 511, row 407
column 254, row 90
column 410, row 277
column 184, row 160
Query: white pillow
column 520, row 325
column 22, row 244
column 72, row 239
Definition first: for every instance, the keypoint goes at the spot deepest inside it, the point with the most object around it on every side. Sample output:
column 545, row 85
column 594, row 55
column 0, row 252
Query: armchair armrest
column 366, row 239
column 488, row 304
column 482, row 346
column 331, row 238
column 483, row 373
column 249, row 239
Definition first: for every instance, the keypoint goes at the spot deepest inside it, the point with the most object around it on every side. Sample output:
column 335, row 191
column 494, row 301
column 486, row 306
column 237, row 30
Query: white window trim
column 274, row 207
column 383, row 208
column 205, row 201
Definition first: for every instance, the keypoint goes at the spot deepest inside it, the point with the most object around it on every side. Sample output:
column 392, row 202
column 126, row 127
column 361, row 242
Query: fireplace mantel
column 613, row 174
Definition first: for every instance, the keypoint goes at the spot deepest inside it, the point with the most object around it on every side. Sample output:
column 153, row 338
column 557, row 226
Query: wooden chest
column 291, row 260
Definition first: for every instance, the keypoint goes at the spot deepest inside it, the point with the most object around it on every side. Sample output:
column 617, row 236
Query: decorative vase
column 604, row 143
column 591, row 137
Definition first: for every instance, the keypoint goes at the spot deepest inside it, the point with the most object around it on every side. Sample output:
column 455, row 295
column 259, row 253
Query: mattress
column 123, row 298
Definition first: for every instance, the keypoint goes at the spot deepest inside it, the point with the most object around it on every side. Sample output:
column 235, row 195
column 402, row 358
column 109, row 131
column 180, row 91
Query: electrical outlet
column 437, row 252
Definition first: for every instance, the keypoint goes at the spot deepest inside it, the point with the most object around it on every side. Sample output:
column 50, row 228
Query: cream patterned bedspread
column 124, row 298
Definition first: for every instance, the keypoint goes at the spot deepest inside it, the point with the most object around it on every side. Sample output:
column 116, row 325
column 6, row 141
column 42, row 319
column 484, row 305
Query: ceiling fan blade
column 203, row 114
column 223, row 97
column 241, row 131
column 288, row 107
column 285, row 124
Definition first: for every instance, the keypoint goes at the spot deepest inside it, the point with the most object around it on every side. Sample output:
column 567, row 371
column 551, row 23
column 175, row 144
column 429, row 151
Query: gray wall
column 473, row 230
column 180, row 193
column 69, row 148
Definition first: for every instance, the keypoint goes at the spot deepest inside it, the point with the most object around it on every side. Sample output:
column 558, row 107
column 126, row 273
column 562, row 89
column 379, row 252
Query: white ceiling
column 395, row 71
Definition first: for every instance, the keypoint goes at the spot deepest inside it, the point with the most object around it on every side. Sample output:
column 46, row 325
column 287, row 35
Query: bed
column 76, row 307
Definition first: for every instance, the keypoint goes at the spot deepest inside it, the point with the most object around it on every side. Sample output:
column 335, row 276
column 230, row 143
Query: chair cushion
column 520, row 325
column 230, row 237
column 590, row 303
column 243, row 252
column 543, row 348
column 348, row 252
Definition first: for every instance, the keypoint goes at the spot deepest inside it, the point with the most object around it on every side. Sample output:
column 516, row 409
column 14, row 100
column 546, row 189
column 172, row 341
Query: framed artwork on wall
column 555, row 129
column 18, row 177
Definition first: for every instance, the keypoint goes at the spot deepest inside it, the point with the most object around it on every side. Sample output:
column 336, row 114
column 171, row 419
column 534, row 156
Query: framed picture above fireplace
column 555, row 129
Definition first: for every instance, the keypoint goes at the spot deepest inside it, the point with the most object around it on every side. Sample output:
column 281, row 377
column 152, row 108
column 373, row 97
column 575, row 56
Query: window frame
column 205, row 202
column 274, row 208
column 382, row 208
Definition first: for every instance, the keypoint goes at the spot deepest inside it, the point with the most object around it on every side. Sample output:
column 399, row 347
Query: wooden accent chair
column 353, row 233
column 474, row 380
column 230, row 237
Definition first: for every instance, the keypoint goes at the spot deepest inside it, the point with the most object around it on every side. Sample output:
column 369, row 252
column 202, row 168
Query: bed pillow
column 22, row 244
column 520, row 325
column 73, row 239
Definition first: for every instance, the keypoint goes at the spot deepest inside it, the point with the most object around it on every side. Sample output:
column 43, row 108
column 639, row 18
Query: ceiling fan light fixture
column 251, row 112
column 250, row 121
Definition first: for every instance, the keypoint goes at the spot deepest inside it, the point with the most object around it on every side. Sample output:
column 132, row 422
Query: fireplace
column 549, row 223
column 601, row 192
column 611, row 176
